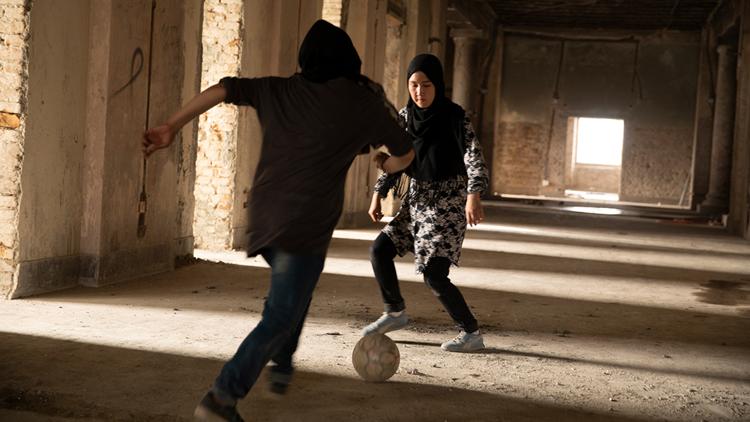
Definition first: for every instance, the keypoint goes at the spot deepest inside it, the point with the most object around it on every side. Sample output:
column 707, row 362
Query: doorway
column 594, row 158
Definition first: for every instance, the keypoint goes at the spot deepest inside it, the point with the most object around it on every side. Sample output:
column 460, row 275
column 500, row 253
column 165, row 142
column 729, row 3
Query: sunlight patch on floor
column 637, row 250
column 679, row 260
column 698, row 244
column 712, row 244
column 663, row 294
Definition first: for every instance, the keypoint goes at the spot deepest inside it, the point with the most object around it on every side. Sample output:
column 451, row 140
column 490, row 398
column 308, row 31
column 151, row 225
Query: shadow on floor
column 45, row 378
column 232, row 288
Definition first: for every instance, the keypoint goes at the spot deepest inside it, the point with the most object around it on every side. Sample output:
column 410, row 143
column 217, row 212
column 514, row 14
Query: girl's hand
column 379, row 160
column 474, row 211
column 375, row 210
column 157, row 138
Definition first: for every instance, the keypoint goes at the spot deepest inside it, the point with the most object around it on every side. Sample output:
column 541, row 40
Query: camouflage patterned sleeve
column 476, row 169
column 386, row 181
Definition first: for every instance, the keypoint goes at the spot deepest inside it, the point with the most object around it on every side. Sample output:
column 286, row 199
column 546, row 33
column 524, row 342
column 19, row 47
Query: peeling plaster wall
column 393, row 64
column 597, row 80
column 50, row 208
column 121, row 253
column 187, row 142
column 88, row 97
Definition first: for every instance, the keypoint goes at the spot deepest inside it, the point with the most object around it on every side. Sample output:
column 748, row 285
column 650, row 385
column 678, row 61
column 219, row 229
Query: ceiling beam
column 477, row 14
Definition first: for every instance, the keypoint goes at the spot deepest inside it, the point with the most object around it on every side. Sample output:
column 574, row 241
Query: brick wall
column 13, row 76
column 517, row 158
column 217, row 129
column 332, row 12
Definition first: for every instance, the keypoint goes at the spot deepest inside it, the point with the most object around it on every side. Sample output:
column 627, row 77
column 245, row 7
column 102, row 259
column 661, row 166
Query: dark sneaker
column 209, row 410
column 464, row 342
column 386, row 323
column 279, row 382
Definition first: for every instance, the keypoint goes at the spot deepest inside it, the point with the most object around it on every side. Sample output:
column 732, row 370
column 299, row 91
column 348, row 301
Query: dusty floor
column 617, row 321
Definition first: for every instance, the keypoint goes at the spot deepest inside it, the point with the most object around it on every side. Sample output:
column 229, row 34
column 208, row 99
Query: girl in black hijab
column 448, row 175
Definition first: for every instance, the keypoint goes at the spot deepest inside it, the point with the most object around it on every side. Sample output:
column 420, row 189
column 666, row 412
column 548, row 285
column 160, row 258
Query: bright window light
column 592, row 196
column 596, row 210
column 599, row 141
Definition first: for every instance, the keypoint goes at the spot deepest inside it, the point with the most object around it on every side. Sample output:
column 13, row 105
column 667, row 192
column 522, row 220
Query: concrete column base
column 713, row 205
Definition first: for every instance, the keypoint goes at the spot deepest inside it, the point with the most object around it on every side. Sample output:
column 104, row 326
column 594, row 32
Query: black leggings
column 382, row 253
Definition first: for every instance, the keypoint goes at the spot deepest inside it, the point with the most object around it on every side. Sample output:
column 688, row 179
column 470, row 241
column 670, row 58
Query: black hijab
column 327, row 53
column 437, row 129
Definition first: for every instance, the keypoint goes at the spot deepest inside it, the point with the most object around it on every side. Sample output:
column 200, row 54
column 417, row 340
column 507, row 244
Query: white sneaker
column 464, row 342
column 387, row 323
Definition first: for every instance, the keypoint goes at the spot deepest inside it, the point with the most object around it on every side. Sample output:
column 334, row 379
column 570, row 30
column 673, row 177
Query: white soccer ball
column 375, row 357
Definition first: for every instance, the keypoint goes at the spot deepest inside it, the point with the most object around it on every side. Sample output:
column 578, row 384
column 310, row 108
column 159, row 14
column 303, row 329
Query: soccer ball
column 375, row 357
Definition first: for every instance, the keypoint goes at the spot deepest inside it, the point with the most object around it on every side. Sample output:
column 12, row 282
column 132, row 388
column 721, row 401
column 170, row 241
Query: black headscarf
column 327, row 53
column 437, row 129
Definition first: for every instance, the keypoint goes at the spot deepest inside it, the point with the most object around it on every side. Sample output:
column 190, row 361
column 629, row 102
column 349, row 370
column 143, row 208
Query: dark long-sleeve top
column 311, row 134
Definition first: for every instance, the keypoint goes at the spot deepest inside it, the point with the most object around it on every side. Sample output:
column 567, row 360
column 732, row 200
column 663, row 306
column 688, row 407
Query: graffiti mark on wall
column 136, row 66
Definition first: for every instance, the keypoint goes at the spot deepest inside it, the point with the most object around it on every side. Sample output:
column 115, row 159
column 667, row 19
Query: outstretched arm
column 161, row 136
column 391, row 164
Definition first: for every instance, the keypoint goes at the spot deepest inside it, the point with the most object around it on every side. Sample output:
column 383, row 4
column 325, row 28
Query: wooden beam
column 471, row 13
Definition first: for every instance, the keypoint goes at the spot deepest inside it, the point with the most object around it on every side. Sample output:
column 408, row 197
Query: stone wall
column 651, row 86
column 217, row 130
column 13, row 74
column 333, row 12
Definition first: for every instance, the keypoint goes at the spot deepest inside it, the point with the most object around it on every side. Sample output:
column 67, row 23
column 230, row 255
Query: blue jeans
column 293, row 279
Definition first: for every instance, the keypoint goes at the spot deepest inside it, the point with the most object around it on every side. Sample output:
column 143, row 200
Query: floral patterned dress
column 432, row 219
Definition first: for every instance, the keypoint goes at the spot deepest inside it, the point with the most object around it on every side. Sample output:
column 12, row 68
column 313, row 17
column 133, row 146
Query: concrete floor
column 586, row 318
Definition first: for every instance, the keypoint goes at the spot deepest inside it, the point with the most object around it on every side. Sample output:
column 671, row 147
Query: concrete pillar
column 491, row 112
column 415, row 34
column 49, row 220
column 723, row 132
column 187, row 142
column 423, row 31
column 367, row 26
column 393, row 77
column 465, row 75
column 739, row 212
column 704, row 102
column 438, row 29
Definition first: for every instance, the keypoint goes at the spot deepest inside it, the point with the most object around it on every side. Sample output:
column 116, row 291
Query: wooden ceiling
column 686, row 15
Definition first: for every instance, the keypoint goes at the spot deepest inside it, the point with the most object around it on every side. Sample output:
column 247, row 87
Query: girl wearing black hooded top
column 314, row 124
column 448, row 175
